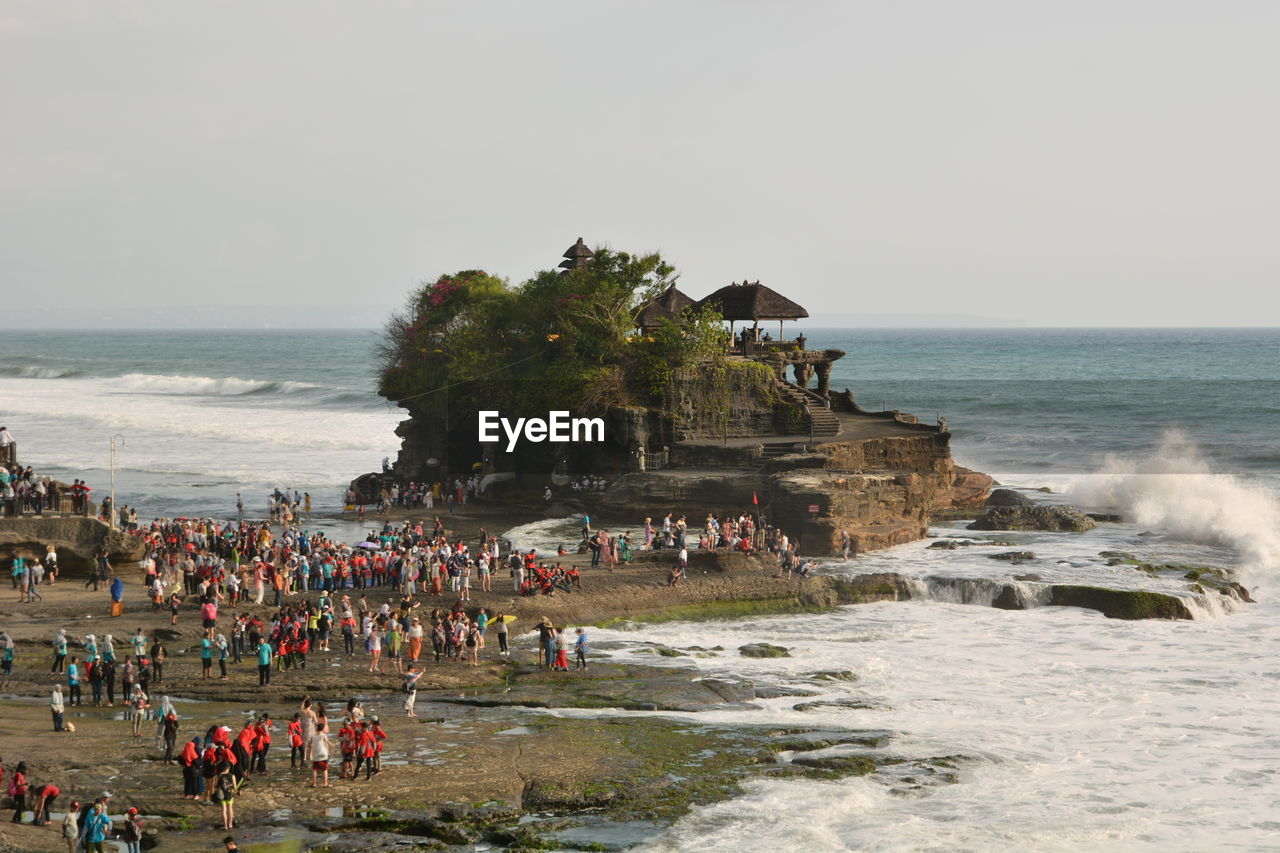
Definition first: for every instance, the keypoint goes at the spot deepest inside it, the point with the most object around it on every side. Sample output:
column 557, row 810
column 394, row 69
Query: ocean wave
column 236, row 388
column 231, row 386
column 34, row 372
column 1175, row 491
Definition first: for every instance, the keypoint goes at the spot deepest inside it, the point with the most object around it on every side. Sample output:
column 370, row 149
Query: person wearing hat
column 546, row 643
column 71, row 827
column 131, row 834
column 87, row 812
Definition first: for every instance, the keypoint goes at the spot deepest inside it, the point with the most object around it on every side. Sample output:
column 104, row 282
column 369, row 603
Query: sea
column 1068, row 731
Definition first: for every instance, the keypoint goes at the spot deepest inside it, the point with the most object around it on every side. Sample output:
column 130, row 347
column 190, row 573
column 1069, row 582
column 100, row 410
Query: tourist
column 59, row 651
column 44, row 797
column 264, row 663
column 131, row 833
column 224, row 794
column 546, row 643
column 320, row 761
column 169, row 726
column 97, row 827
column 580, row 649
column 138, row 705
column 73, row 680
column 7, row 652
column 411, row 689
column 501, row 631
column 159, row 655
column 71, row 827
column 18, row 787
column 561, row 650
column 189, row 761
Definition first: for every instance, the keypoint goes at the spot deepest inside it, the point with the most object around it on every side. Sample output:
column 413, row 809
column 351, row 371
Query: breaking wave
column 1176, row 492
column 39, row 372
column 152, row 383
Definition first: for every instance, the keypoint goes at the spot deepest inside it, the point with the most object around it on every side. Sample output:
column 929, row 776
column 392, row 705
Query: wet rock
column 1010, row 598
column 945, row 545
column 1106, row 517
column 1013, row 556
column 779, row 692
column 1028, row 578
column 834, row 675
column 454, row 811
column 851, row 704
column 1007, row 498
column 848, row 765
column 1120, row 603
column 730, row 689
column 763, row 650
column 1035, row 517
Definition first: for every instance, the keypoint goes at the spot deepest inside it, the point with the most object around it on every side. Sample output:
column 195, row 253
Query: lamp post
column 111, row 519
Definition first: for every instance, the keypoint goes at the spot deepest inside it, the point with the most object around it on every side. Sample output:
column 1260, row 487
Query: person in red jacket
column 242, row 749
column 261, row 743
column 18, row 786
column 379, row 736
column 295, row 741
column 189, row 759
column 348, row 741
column 45, row 795
column 209, row 770
column 366, row 749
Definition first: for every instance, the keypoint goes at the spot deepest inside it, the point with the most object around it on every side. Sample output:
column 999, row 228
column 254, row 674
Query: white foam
column 1175, row 491
column 153, row 383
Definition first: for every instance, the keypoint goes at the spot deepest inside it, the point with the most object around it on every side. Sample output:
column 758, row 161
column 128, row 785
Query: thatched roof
column 667, row 306
column 576, row 256
column 752, row 302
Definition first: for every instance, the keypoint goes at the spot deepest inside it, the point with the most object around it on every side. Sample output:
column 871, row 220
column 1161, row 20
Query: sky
column 307, row 163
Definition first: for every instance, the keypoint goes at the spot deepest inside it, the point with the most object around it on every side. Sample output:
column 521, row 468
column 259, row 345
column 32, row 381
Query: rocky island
column 700, row 415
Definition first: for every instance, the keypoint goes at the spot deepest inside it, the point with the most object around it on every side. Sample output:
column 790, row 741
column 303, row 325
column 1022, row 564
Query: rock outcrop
column 78, row 540
column 1034, row 517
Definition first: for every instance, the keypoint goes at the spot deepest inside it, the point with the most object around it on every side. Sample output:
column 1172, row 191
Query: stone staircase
column 822, row 423
column 842, row 401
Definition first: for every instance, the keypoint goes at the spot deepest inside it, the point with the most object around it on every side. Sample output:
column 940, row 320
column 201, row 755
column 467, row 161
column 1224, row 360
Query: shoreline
column 470, row 708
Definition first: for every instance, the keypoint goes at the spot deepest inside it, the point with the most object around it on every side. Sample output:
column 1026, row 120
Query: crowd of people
column 317, row 591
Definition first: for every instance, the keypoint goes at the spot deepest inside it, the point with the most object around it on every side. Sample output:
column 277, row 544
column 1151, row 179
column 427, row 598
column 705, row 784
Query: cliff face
column 882, row 491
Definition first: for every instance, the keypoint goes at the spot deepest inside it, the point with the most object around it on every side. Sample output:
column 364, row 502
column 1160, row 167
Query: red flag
column 755, row 500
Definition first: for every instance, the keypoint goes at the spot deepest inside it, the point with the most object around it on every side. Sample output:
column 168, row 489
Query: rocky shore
column 488, row 749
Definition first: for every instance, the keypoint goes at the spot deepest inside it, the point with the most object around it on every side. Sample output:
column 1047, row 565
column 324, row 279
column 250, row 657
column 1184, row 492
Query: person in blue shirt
column 264, row 663
column 19, row 570
column 206, row 655
column 580, row 649
column 73, row 681
column 96, row 829
column 6, row 653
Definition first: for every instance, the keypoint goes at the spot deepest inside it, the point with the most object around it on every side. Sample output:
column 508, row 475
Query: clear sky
column 306, row 162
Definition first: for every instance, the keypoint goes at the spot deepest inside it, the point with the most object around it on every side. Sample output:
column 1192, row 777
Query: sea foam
column 1176, row 492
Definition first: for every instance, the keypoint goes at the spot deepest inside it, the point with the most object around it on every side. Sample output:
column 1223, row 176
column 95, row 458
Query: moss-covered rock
column 1120, row 603
column 763, row 650
column 1035, row 517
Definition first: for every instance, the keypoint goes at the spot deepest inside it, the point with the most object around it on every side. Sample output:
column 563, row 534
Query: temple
column 755, row 424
